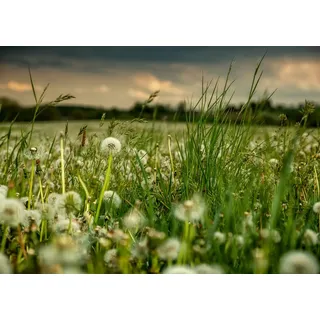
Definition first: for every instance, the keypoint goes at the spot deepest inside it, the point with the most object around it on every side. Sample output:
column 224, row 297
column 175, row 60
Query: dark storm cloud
column 62, row 57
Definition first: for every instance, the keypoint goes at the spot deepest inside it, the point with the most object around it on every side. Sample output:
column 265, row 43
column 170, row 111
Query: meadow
column 157, row 197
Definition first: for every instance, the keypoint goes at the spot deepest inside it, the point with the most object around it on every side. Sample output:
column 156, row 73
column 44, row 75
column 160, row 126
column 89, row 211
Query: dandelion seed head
column 110, row 145
column 63, row 251
column 169, row 250
column 274, row 163
column 140, row 250
column 113, row 198
column 190, row 210
column 207, row 269
column 143, row 156
column 134, row 219
column 64, row 224
column 12, row 212
column 111, row 257
column 32, row 216
column 5, row 266
column 3, row 191
column 298, row 262
column 53, row 198
column 219, row 237
column 316, row 207
column 310, row 237
column 239, row 239
column 70, row 203
column 179, row 270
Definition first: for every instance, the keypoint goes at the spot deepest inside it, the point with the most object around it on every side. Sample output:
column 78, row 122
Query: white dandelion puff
column 12, row 212
column 298, row 262
column 69, row 203
column 134, row 219
column 63, row 225
column 310, row 237
column 113, row 198
column 63, row 251
column 239, row 239
column 143, row 156
column 111, row 257
column 219, row 237
column 169, row 250
column 191, row 210
column 316, row 207
column 3, row 191
column 207, row 269
column 179, row 270
column 32, row 216
column 5, row 266
column 53, row 198
column 110, row 145
column 274, row 163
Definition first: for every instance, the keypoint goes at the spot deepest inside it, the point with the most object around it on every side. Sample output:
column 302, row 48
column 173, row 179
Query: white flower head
column 274, row 234
column 141, row 250
column 298, row 262
column 63, row 251
column 3, row 191
column 219, row 237
column 239, row 239
column 53, row 198
column 12, row 212
column 110, row 145
column 274, row 163
column 316, row 207
column 207, row 269
column 47, row 211
column 113, row 198
column 191, row 210
column 111, row 257
column 169, row 250
column 143, row 156
column 310, row 237
column 179, row 270
column 63, row 225
column 34, row 153
column 134, row 219
column 32, row 216
column 69, row 203
column 5, row 266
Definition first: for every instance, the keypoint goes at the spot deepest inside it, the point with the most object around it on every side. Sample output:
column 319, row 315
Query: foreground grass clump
column 131, row 198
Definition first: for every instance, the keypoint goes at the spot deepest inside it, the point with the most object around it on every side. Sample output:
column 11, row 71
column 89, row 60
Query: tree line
column 261, row 112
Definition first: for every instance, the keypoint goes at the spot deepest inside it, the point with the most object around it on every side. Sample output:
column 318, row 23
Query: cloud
column 102, row 89
column 138, row 94
column 294, row 73
column 19, row 87
column 152, row 83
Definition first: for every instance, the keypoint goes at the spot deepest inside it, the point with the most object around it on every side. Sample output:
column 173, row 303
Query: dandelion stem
column 41, row 193
column 171, row 158
column 4, row 238
column 31, row 184
column 62, row 166
column 104, row 188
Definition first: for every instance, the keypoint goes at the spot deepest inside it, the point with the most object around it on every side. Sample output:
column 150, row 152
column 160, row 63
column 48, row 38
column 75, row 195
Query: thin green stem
column 31, row 184
column 104, row 188
column 62, row 166
column 4, row 238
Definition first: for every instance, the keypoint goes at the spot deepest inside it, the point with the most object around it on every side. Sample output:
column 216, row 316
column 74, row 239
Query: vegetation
column 216, row 197
column 264, row 111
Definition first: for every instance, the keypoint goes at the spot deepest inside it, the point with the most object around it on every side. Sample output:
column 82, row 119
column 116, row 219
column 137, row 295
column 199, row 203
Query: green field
column 144, row 197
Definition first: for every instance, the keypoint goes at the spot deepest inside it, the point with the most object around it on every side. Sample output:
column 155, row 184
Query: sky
column 121, row 76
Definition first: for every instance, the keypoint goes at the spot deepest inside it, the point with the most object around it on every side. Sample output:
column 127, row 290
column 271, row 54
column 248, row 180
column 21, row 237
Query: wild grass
column 133, row 197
